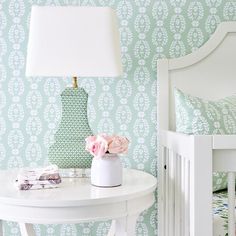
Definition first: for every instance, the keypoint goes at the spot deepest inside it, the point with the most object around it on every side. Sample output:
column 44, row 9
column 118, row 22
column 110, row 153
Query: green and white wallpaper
column 30, row 108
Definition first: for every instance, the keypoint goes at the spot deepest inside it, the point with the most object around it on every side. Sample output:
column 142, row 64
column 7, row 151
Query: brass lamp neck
column 75, row 83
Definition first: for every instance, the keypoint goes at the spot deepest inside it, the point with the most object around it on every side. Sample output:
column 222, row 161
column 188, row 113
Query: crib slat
column 171, row 192
column 182, row 217
column 161, row 193
column 167, row 194
column 177, row 194
column 231, row 204
column 186, row 197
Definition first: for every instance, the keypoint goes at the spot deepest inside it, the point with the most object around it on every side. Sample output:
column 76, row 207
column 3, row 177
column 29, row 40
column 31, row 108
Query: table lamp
column 72, row 41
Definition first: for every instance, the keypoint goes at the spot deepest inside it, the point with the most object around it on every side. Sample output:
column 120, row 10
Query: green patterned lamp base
column 68, row 151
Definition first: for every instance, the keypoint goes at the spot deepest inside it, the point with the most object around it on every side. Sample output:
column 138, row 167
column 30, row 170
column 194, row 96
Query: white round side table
column 78, row 201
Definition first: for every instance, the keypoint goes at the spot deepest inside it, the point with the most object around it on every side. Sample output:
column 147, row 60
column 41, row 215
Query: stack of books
column 38, row 178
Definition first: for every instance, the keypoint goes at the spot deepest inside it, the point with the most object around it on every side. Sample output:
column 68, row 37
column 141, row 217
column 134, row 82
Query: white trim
column 201, row 186
column 179, row 143
column 216, row 38
column 224, row 142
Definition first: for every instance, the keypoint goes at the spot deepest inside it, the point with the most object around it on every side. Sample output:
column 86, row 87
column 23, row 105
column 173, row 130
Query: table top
column 76, row 191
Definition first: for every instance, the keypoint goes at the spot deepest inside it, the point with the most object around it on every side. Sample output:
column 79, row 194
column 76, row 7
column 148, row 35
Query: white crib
column 186, row 162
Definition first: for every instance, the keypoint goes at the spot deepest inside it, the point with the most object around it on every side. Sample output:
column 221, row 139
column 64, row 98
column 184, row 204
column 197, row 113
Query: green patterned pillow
column 198, row 116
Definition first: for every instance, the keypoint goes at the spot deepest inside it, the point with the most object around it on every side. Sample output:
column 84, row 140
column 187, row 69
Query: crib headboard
column 209, row 72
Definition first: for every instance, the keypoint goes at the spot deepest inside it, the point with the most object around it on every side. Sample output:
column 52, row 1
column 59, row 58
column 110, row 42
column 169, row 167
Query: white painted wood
column 26, row 229
column 131, row 225
column 120, row 226
column 161, row 191
column 196, row 72
column 197, row 189
column 224, row 142
column 79, row 191
column 167, row 195
column 200, row 155
column 126, row 226
column 143, row 203
column 216, row 38
column 76, row 200
column 224, row 160
column 1, row 228
column 171, row 203
column 112, row 229
column 183, row 201
column 224, row 153
column 231, row 204
column 179, row 143
column 177, row 207
column 187, row 197
column 164, row 216
column 177, row 212
column 201, row 222
column 60, row 215
column 171, row 192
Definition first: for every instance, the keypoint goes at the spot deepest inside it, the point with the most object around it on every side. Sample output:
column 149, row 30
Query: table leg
column 26, row 229
column 1, row 228
column 126, row 226
column 112, row 228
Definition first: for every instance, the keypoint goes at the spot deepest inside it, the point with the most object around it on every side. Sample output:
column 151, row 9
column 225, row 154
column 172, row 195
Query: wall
column 30, row 107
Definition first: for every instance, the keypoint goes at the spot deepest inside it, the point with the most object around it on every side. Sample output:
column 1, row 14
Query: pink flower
column 97, row 146
column 103, row 143
column 90, row 139
column 106, row 137
column 89, row 142
column 118, row 145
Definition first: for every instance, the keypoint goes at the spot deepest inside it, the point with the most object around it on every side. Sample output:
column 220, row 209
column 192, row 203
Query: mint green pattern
column 68, row 151
column 30, row 108
column 197, row 116
column 219, row 181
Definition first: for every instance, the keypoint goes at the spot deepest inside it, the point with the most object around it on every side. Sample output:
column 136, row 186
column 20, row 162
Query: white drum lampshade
column 71, row 41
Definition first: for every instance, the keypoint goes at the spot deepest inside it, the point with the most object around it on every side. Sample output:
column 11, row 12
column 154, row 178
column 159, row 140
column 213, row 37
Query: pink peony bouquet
column 100, row 144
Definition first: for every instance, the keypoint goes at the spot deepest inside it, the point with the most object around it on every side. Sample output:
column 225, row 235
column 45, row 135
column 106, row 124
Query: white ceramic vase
column 106, row 171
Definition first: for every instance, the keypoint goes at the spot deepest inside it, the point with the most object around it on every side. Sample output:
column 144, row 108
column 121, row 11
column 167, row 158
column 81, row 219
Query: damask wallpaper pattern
column 30, row 108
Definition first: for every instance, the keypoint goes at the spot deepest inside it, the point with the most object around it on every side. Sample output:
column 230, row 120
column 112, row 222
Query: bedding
column 220, row 213
column 201, row 117
column 198, row 116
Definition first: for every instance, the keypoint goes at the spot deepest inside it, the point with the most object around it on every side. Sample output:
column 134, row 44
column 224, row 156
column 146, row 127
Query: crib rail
column 185, row 171
column 176, row 194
